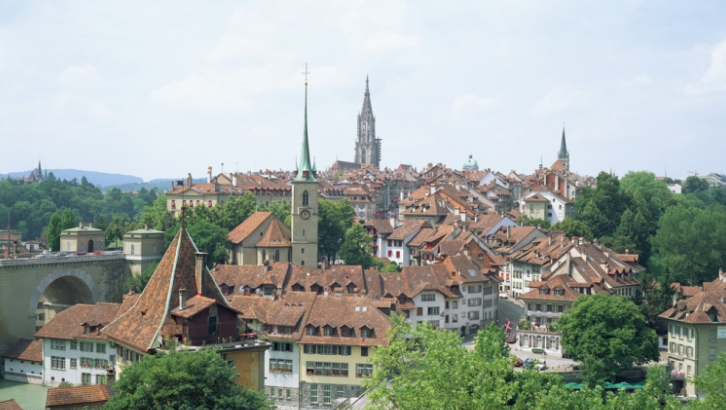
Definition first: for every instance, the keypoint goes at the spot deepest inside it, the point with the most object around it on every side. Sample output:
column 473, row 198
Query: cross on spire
column 305, row 73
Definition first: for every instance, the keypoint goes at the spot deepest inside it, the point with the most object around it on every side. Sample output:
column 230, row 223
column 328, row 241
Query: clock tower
column 305, row 203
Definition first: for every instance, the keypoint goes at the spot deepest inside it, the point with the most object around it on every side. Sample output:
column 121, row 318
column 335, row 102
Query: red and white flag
column 508, row 326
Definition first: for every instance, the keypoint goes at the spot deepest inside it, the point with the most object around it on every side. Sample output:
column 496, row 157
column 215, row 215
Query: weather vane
column 305, row 73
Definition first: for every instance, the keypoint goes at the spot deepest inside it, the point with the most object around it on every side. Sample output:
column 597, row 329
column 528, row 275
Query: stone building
column 367, row 146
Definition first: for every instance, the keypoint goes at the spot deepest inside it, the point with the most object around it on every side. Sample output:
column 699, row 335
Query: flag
column 508, row 326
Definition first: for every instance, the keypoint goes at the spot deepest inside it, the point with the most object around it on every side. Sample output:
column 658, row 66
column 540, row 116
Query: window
column 309, row 349
column 474, row 302
column 433, row 310
column 287, row 393
column 364, row 351
column 362, row 370
column 419, row 311
column 85, row 379
column 305, row 198
column 325, row 349
column 673, row 347
column 435, row 323
column 100, row 379
column 712, row 336
column 390, row 254
column 455, row 304
column 313, row 393
column 712, row 353
column 280, row 366
column 279, row 393
column 58, row 363
column 311, row 330
column 428, row 297
column 74, row 345
column 56, row 344
column 474, row 288
column 86, row 347
column 326, row 369
column 282, row 347
column 41, row 316
column 74, row 363
column 398, row 254
column 474, row 315
column 366, row 333
column 344, row 350
column 455, row 318
column 326, row 394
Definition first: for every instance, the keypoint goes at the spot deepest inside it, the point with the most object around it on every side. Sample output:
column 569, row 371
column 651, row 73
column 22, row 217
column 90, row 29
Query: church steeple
column 367, row 146
column 564, row 156
column 305, row 170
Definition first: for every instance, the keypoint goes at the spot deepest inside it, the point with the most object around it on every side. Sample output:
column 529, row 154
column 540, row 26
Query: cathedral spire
column 367, row 108
column 563, row 145
column 305, row 171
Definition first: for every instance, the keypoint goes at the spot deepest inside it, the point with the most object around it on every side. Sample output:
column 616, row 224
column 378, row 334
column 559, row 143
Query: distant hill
column 162, row 184
column 99, row 179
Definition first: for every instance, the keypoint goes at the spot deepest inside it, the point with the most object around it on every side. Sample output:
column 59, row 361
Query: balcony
column 677, row 375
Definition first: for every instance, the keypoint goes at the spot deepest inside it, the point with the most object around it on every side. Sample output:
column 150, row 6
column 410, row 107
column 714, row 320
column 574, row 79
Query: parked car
column 503, row 295
column 541, row 366
column 528, row 362
column 518, row 362
column 512, row 338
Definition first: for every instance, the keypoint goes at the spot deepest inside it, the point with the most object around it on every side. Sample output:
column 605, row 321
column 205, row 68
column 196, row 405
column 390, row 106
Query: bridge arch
column 69, row 286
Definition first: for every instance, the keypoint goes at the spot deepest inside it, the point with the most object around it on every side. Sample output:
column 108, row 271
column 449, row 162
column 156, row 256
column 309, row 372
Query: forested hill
column 100, row 179
column 32, row 205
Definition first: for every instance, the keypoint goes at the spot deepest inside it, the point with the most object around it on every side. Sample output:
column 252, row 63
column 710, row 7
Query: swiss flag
column 508, row 326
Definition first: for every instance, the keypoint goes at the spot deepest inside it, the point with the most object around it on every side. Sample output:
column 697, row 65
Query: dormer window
column 366, row 333
column 559, row 292
column 329, row 331
column 351, row 288
column 311, row 331
column 543, row 291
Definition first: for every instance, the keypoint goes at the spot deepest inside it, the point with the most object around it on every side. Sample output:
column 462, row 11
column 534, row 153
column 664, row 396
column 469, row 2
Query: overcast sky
column 159, row 89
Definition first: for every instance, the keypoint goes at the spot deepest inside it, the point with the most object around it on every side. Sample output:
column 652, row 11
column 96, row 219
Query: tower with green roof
column 305, row 203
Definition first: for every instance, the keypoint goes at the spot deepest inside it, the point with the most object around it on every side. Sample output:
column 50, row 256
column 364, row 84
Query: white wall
column 438, row 302
column 23, row 371
column 54, row 377
column 278, row 379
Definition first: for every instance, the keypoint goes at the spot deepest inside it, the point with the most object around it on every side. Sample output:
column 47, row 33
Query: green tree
column 68, row 220
column 712, row 381
column 572, row 228
column 281, row 210
column 334, row 219
column 141, row 280
column 391, row 268
column 694, row 184
column 690, row 242
column 210, row 238
column 654, row 298
column 543, row 223
column 607, row 333
column 355, row 249
column 54, row 229
column 237, row 210
column 182, row 380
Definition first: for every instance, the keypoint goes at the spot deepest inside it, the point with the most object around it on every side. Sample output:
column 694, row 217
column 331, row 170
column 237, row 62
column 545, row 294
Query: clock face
column 305, row 214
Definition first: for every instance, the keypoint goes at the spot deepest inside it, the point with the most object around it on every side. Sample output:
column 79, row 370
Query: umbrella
column 573, row 386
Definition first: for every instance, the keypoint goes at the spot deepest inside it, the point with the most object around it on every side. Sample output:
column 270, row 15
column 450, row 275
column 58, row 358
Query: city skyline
column 118, row 88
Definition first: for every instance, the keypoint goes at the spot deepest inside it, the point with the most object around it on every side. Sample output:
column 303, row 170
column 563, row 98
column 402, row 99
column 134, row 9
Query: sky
column 165, row 88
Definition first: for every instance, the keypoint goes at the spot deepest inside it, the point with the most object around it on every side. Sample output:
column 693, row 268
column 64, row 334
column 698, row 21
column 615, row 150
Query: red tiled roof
column 276, row 236
column 69, row 324
column 243, row 230
column 148, row 318
column 25, row 349
column 10, row 405
column 79, row 395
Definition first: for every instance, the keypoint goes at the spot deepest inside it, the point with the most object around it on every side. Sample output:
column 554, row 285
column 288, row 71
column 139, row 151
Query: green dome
column 471, row 164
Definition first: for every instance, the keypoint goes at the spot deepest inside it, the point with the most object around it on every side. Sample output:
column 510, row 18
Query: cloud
column 79, row 76
column 471, row 105
column 714, row 81
column 382, row 41
column 637, row 81
column 558, row 101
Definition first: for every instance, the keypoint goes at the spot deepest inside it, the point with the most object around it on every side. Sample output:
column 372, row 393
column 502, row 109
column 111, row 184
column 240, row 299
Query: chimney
column 393, row 221
column 172, row 185
column 433, row 189
column 581, row 240
column 189, row 179
column 199, row 271
column 557, row 183
column 509, row 231
column 182, row 299
column 209, row 175
column 549, row 240
column 234, row 179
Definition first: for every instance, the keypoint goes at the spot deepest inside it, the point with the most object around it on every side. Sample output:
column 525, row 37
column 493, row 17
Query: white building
column 23, row 362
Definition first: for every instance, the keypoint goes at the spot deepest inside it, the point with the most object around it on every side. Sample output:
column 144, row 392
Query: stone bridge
column 24, row 283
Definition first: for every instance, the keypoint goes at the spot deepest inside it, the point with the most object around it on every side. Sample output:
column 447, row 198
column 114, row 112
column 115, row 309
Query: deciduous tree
column 355, row 249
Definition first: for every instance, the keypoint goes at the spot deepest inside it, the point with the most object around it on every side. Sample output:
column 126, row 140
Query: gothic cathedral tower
column 367, row 146
column 305, row 204
column 564, row 155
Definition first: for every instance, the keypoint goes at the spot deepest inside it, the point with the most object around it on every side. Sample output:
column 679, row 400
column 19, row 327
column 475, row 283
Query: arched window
column 277, row 255
column 305, row 198
column 68, row 245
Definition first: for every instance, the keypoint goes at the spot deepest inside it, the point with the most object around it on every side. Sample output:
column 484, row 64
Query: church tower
column 367, row 146
column 305, row 203
column 564, row 156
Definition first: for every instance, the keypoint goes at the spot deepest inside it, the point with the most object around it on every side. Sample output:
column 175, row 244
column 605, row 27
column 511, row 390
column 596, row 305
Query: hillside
column 99, row 179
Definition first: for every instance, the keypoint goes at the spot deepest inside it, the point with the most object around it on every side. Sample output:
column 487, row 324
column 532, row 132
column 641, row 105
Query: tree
column 54, row 229
column 572, row 228
column 334, row 219
column 182, row 380
column 543, row 223
column 210, row 238
column 68, row 220
column 694, row 184
column 607, row 333
column 237, row 210
column 141, row 280
column 690, row 242
column 391, row 268
column 355, row 249
column 655, row 297
column 712, row 381
column 281, row 210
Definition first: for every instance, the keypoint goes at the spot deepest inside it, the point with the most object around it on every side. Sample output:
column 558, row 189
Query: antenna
column 305, row 73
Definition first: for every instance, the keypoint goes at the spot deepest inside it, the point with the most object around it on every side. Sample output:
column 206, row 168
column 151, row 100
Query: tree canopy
column 182, row 380
column 355, row 249
column 607, row 333
column 334, row 219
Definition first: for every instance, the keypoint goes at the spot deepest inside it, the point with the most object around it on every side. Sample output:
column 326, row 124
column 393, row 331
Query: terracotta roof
column 382, row 226
column 69, row 324
column 353, row 312
column 419, row 239
column 558, row 166
column 10, row 405
column 466, row 271
column 536, row 198
column 25, row 349
column 148, row 318
column 451, row 247
column 336, row 275
column 243, row 230
column 485, row 221
column 252, row 276
column 407, row 228
column 559, row 282
column 704, row 307
column 276, row 236
column 79, row 395
column 193, row 306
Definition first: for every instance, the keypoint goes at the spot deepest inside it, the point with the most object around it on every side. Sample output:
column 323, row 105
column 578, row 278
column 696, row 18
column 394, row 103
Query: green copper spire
column 305, row 171
column 563, row 145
